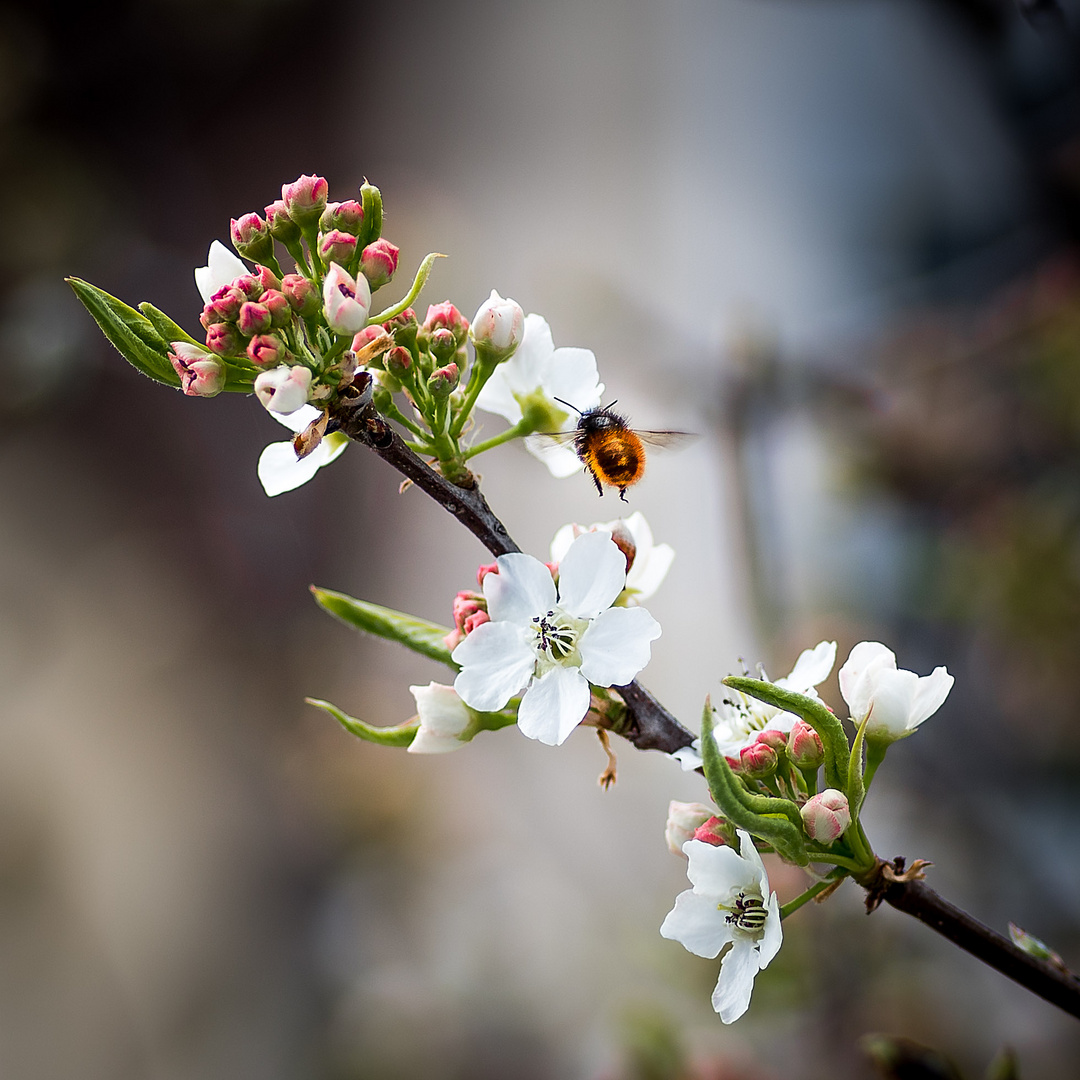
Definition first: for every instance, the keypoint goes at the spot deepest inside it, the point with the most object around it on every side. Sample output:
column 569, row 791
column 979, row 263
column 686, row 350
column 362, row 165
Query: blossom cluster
column 762, row 750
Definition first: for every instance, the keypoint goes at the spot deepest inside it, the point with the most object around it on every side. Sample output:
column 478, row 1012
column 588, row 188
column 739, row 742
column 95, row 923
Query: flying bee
column 612, row 452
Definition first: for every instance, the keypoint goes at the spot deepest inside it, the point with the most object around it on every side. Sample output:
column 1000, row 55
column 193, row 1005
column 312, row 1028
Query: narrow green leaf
column 814, row 712
column 775, row 820
column 399, row 735
column 414, row 633
column 132, row 334
column 414, row 292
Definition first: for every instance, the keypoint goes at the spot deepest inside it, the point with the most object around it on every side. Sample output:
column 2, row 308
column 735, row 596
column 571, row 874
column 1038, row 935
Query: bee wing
column 661, row 439
column 544, row 440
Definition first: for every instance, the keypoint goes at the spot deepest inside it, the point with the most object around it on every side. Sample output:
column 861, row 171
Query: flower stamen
column 747, row 913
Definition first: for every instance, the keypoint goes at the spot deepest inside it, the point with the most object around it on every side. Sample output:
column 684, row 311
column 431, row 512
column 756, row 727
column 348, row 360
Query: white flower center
column 556, row 640
column 747, row 913
column 747, row 716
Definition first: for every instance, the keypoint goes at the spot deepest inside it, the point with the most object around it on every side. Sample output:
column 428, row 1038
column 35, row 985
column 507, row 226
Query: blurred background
column 835, row 237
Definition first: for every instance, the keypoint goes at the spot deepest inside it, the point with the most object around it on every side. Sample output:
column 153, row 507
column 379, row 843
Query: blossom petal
column 522, row 589
column 591, row 575
column 893, row 692
column 696, row 924
column 718, row 871
column 616, row 645
column 731, row 998
column 689, row 757
column 856, row 675
column 299, row 419
column 749, row 854
column 279, row 470
column 649, row 570
column 812, row 667
column 496, row 661
column 930, row 695
column 561, row 541
column 772, row 936
column 554, row 705
column 560, row 460
column 443, row 717
column 572, row 375
column 223, row 267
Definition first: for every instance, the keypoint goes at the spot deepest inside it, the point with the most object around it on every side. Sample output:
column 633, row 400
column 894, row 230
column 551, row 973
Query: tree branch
column 916, row 898
column 652, row 727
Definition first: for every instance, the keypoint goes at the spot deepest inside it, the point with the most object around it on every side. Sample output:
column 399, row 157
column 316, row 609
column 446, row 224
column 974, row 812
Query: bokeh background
column 835, row 237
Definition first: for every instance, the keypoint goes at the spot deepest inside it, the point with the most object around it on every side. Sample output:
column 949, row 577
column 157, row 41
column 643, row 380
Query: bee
column 612, row 452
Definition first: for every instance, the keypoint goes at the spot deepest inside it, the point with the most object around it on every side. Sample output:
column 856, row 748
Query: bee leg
column 622, row 494
column 596, row 481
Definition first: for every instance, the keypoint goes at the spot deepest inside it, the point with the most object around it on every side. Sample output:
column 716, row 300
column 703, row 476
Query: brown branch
column 916, row 898
column 652, row 727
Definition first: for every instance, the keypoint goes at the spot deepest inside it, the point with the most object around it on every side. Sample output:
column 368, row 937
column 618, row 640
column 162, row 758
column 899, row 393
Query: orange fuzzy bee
column 612, row 452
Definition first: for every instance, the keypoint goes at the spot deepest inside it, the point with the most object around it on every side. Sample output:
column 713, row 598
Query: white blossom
column 532, row 378
column 739, row 718
column 283, row 389
column 346, row 300
column 729, row 904
column 551, row 643
column 895, row 701
column 444, row 718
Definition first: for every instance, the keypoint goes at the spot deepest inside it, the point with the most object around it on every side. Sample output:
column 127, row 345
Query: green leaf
column 133, row 335
column 414, row 292
column 814, row 712
column 399, row 735
column 238, row 379
column 776, row 821
column 414, row 633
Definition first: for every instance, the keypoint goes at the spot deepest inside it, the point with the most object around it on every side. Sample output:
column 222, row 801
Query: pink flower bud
column 487, row 568
column 305, row 199
column 442, row 344
column 804, row 746
column 284, row 389
column 624, row 541
column 253, row 319
column 201, row 373
column 378, row 262
column 442, row 382
column 826, row 816
column 268, row 350
column 366, row 337
column 497, row 328
column 224, row 340
column 776, row 740
column 249, row 285
column 281, row 226
column 251, row 237
column 266, row 278
column 224, row 305
column 346, row 216
column 445, row 316
column 346, row 302
column 397, row 362
column 277, row 304
column 301, row 294
column 337, row 247
column 683, row 818
column 757, row 761
column 716, row 831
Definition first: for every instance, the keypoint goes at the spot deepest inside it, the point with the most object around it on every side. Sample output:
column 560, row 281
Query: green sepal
column 399, row 735
column 776, row 821
column 238, row 380
column 418, row 283
column 132, row 334
column 814, row 712
column 411, row 631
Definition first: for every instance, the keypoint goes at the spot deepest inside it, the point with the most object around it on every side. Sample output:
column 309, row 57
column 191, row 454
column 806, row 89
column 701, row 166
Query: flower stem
column 833, row 878
column 517, row 431
column 479, row 375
